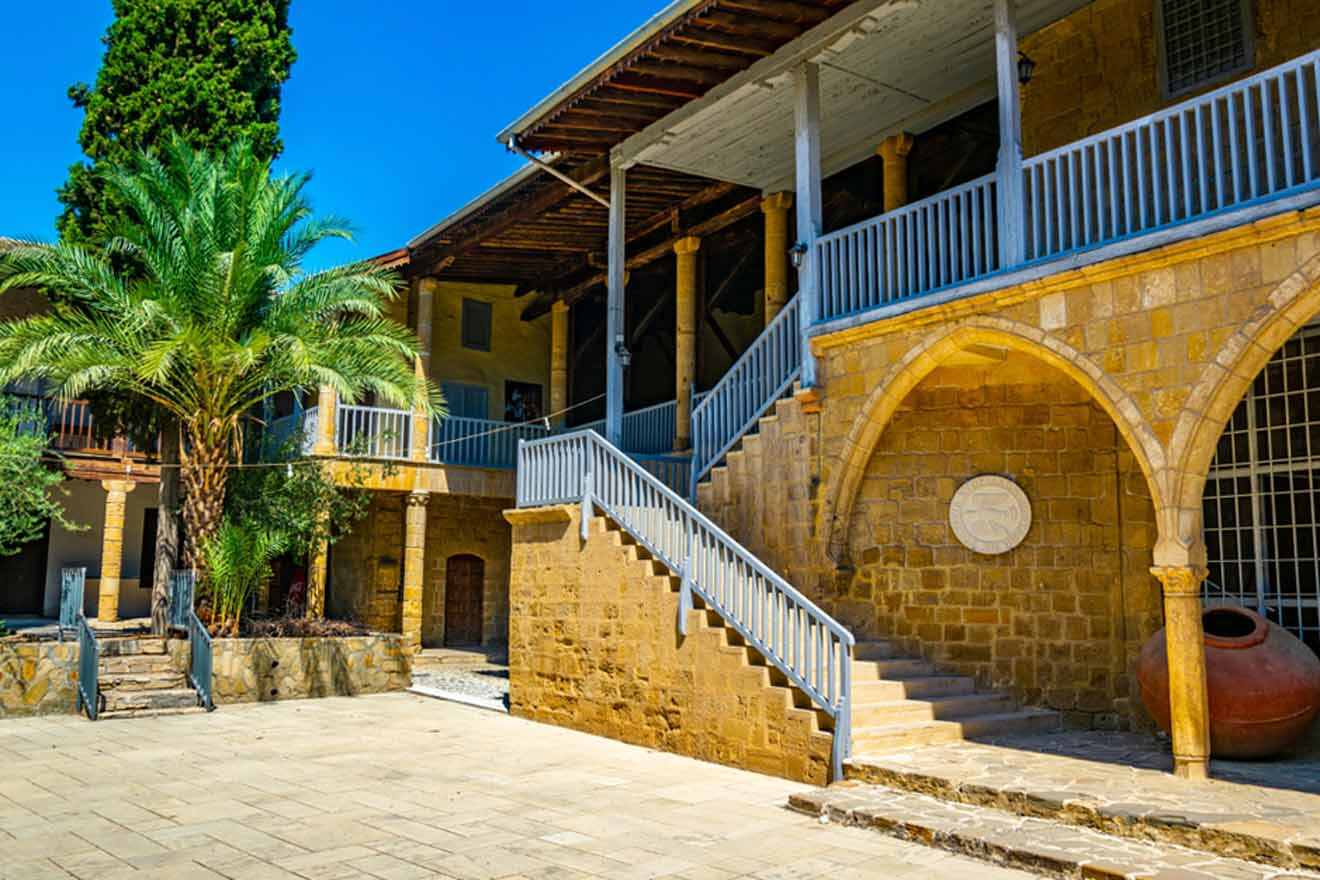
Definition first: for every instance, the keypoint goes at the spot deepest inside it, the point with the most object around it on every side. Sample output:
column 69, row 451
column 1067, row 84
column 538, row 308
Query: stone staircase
column 900, row 702
column 142, row 676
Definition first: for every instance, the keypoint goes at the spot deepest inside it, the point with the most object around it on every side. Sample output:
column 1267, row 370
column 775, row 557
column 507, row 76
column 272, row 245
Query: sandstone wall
column 594, row 647
column 38, row 678
column 262, row 670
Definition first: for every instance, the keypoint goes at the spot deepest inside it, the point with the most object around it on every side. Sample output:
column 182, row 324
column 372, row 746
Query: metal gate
column 1262, row 517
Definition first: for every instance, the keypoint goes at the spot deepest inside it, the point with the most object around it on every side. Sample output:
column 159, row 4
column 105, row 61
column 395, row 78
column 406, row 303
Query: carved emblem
column 990, row 514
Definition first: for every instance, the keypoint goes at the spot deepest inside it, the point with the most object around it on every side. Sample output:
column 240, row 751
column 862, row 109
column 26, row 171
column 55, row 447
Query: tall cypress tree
column 209, row 69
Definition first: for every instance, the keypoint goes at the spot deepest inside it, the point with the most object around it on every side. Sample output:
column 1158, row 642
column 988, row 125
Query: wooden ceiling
column 545, row 236
column 680, row 63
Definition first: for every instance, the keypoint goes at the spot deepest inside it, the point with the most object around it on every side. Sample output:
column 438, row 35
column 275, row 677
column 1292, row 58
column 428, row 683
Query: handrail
column 487, row 443
column 89, row 668
column 764, row 372
column 201, row 662
column 809, row 647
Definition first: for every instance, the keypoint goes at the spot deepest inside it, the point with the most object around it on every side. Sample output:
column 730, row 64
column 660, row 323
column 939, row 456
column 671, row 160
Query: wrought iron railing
column 183, row 586
column 89, row 668
column 763, row 374
column 73, row 583
column 201, row 661
column 803, row 642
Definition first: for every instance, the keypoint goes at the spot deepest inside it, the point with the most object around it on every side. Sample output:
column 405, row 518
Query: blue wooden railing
column 73, row 582
column 480, row 442
column 183, row 585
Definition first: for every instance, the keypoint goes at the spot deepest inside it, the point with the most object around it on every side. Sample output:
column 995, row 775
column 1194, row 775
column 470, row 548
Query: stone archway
column 833, row 520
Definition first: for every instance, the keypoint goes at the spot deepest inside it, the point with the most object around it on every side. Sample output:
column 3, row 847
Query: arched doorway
column 1261, row 514
column 465, row 578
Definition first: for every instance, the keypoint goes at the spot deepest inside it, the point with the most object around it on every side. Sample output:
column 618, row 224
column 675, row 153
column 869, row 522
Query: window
column 476, row 325
column 1201, row 42
column 466, row 401
column 522, row 402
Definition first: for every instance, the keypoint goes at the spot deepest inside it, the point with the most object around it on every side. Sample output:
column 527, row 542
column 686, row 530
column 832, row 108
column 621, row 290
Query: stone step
column 919, row 687
column 149, row 713
column 874, row 650
column 122, row 647
column 148, row 700
column 878, row 714
column 142, row 681
column 897, row 668
column 1042, row 846
column 136, row 664
column 891, row 737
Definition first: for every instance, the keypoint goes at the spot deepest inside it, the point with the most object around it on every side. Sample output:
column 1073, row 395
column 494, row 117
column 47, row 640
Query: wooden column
column 325, row 422
column 112, row 548
column 1011, row 197
column 559, row 315
column 414, row 570
column 806, row 149
column 614, row 323
column 685, row 338
column 775, row 208
column 893, row 151
column 1189, row 703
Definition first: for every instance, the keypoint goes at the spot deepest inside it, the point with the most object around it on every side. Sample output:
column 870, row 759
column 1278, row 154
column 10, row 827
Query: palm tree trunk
column 204, row 476
column 167, row 528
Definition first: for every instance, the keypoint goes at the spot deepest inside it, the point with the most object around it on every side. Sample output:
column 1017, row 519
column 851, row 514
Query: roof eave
column 515, row 179
column 657, row 23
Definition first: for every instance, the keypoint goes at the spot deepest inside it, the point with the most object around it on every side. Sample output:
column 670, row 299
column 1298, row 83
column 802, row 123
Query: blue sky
column 393, row 106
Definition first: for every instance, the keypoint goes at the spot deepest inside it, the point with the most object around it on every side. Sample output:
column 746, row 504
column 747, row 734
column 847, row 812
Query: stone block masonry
column 262, row 670
column 38, row 678
column 594, row 646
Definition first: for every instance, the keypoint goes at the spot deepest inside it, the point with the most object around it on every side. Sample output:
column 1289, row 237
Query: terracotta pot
column 1263, row 682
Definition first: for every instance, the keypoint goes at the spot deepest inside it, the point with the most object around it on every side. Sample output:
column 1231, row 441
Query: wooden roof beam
column 784, row 10
column 727, row 42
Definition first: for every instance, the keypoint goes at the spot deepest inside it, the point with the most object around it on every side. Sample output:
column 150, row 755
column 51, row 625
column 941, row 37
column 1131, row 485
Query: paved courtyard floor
column 397, row 787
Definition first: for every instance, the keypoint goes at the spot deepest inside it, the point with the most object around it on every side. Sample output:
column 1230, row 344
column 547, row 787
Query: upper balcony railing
column 650, row 430
column 1246, row 144
column 70, row 427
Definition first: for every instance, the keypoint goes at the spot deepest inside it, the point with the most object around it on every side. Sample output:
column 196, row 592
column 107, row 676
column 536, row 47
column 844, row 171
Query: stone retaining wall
column 38, row 678
column 262, row 670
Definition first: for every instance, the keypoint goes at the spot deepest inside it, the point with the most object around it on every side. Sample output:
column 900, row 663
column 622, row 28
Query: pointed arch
column 833, row 519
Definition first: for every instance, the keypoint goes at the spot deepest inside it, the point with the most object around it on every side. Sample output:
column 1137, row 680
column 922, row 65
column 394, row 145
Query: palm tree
column 200, row 306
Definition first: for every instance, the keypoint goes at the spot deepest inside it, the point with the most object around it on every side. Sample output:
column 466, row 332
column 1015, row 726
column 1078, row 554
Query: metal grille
column 1262, row 515
column 1202, row 41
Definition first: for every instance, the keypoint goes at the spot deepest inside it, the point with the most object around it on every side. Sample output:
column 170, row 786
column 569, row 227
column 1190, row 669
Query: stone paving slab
column 1044, row 846
column 1118, row 783
column 397, row 787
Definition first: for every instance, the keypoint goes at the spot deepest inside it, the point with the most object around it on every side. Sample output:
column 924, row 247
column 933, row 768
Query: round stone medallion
column 990, row 514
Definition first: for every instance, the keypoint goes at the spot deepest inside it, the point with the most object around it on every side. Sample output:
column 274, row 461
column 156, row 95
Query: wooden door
column 464, row 577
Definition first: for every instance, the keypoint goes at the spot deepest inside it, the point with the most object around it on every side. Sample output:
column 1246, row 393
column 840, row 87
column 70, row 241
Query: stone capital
column 895, row 146
column 559, row 307
column 687, row 245
column 121, row 486
column 419, row 499
column 778, row 202
column 1180, row 580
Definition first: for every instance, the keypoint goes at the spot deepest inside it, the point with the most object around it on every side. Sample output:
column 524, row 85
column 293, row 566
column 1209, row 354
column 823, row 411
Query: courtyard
column 399, row 786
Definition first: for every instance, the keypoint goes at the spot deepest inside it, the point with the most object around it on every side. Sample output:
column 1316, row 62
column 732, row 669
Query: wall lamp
column 798, row 254
column 1026, row 68
column 625, row 356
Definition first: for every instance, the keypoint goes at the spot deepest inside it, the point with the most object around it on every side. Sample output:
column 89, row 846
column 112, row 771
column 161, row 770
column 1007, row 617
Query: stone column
column 112, row 547
column 685, row 355
column 775, row 207
column 414, row 565
column 559, row 359
column 426, row 288
column 420, row 447
column 1189, row 704
column 316, row 580
column 894, row 151
column 325, row 422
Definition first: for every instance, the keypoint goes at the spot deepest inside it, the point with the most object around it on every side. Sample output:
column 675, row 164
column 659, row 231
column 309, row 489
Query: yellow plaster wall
column 1097, row 68
column 520, row 350
column 593, row 646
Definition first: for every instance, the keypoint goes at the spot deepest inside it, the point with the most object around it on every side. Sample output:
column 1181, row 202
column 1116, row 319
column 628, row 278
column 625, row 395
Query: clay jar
column 1263, row 682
